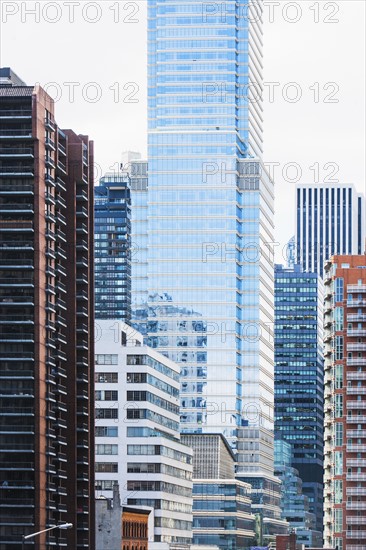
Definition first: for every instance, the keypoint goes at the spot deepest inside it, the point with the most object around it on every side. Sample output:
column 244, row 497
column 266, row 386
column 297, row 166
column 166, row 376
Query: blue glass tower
column 299, row 376
column 112, row 272
column 210, row 284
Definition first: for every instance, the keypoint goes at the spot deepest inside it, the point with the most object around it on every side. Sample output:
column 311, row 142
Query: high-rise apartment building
column 46, row 324
column 330, row 219
column 299, row 376
column 137, row 433
column 113, row 247
column 345, row 403
column 210, row 284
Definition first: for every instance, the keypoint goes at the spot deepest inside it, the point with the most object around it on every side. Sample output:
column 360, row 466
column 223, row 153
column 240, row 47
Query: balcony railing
column 353, row 317
column 356, row 346
column 357, row 476
column 17, row 170
column 355, row 506
column 356, row 390
column 356, row 491
column 15, row 133
column 356, row 433
column 359, row 535
column 356, row 375
column 356, row 404
column 356, row 303
column 356, row 520
column 355, row 419
column 356, row 288
column 16, row 152
column 356, row 332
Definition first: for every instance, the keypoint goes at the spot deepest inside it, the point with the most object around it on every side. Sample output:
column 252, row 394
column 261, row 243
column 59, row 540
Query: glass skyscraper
column 299, row 376
column 112, row 213
column 210, row 283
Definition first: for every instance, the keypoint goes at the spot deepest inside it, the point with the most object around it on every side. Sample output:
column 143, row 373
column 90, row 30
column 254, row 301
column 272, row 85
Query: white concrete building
column 137, row 433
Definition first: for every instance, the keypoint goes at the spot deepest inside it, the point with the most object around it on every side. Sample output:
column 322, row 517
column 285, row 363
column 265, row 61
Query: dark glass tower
column 299, row 376
column 113, row 248
column 46, row 324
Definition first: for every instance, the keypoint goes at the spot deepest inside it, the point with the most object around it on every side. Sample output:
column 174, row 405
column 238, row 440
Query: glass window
column 338, row 463
column 338, row 377
column 339, row 434
column 339, row 347
column 339, row 286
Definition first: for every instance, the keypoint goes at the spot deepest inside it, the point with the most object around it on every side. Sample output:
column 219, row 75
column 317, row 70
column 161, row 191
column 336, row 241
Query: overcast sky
column 91, row 57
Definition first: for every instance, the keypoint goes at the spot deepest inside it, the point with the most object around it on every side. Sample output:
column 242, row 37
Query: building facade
column 299, row 376
column 120, row 527
column 46, row 324
column 221, row 504
column 345, row 403
column 330, row 219
column 137, row 433
column 210, row 217
column 113, row 247
column 295, row 504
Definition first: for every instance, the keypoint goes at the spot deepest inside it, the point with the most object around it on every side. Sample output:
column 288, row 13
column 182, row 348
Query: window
column 338, row 405
column 108, row 395
column 338, row 377
column 338, row 463
column 106, row 359
column 110, row 377
column 106, row 467
column 339, row 289
column 104, row 485
column 339, row 434
column 339, row 347
column 106, row 413
column 106, row 449
column 106, row 431
column 338, row 491
column 338, row 315
column 338, row 520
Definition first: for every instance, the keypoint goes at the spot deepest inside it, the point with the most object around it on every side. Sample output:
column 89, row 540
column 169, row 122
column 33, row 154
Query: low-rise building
column 221, row 504
column 137, row 433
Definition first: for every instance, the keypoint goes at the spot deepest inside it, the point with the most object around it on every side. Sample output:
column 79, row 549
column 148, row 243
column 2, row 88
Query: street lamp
column 62, row 526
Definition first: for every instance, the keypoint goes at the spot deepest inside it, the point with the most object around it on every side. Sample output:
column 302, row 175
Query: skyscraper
column 345, row 403
column 46, row 323
column 299, row 376
column 330, row 219
column 210, row 284
column 113, row 247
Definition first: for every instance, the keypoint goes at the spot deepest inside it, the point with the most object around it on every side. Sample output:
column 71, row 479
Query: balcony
column 61, row 148
column 355, row 506
column 17, row 171
column 356, row 303
column 356, row 346
column 356, row 361
column 356, row 419
column 356, row 433
column 354, row 317
column 356, row 404
column 50, row 125
column 16, row 133
column 50, row 144
column 355, row 462
column 16, row 225
column 356, row 491
column 50, row 162
column 355, row 390
column 18, row 152
column 356, row 332
column 357, row 476
column 356, row 448
column 359, row 535
column 61, row 166
column 355, row 520
column 81, row 211
column 354, row 289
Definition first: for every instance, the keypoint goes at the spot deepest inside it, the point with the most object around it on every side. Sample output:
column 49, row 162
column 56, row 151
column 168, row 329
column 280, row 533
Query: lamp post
column 62, row 526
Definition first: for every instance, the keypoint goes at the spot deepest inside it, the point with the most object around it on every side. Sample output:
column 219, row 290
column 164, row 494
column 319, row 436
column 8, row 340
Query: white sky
column 111, row 53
